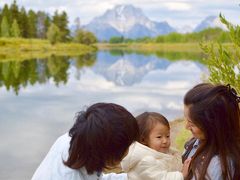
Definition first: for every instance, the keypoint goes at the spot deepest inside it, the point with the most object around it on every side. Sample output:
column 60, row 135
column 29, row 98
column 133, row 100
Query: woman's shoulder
column 214, row 168
column 215, row 163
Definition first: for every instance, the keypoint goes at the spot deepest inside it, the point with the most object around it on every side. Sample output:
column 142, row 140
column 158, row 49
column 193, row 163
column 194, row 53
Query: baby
column 152, row 157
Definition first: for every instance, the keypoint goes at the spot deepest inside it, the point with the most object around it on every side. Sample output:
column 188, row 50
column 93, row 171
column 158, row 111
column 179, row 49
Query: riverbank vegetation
column 210, row 34
column 21, row 49
column 224, row 62
column 173, row 42
column 151, row 47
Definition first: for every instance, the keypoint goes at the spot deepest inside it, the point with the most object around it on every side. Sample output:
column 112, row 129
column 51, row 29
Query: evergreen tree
column 56, row 18
column 5, row 12
column 15, row 31
column 23, row 23
column 0, row 16
column 47, row 24
column 0, row 22
column 65, row 32
column 5, row 28
column 53, row 34
column 14, row 12
column 61, row 21
column 32, row 24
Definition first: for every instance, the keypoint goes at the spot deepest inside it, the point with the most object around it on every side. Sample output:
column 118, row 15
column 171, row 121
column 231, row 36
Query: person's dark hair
column 146, row 121
column 214, row 109
column 101, row 136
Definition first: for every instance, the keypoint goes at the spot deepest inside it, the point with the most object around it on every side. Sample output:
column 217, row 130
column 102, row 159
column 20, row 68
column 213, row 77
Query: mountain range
column 130, row 22
column 210, row 21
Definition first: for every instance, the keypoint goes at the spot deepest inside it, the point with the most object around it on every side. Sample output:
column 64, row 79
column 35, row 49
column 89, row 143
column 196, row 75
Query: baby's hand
column 186, row 167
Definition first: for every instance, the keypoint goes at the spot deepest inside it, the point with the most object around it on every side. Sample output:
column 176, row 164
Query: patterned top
column 214, row 170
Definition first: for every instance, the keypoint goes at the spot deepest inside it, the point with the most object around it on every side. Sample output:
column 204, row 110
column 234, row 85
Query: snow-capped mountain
column 127, row 21
column 210, row 22
column 130, row 22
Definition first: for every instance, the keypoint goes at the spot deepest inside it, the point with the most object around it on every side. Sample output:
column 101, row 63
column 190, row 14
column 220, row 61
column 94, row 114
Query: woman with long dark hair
column 213, row 116
column 99, row 139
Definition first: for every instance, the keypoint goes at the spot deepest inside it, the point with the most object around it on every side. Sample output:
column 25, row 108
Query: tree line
column 17, row 22
column 210, row 34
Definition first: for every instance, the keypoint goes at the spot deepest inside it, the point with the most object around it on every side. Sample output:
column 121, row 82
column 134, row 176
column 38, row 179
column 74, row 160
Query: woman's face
column 196, row 132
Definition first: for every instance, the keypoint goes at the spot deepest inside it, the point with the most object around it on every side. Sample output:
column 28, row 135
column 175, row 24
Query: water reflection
column 172, row 56
column 50, row 91
column 19, row 74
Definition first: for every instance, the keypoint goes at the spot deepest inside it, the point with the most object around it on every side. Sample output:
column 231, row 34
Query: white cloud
column 175, row 106
column 178, row 6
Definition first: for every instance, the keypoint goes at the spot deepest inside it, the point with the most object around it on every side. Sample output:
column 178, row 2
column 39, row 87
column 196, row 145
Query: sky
column 177, row 13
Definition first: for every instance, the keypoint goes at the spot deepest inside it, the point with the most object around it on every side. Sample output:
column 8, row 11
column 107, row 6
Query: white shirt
column 52, row 167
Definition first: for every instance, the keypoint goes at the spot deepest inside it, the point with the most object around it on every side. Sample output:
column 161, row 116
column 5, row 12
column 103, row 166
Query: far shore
column 21, row 49
column 152, row 47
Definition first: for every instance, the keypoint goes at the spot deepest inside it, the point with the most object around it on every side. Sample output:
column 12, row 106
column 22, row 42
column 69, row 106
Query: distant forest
column 210, row 34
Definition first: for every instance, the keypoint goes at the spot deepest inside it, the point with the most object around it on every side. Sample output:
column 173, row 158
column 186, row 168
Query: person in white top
column 99, row 139
column 152, row 158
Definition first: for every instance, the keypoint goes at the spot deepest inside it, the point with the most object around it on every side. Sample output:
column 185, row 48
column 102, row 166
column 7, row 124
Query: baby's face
column 159, row 138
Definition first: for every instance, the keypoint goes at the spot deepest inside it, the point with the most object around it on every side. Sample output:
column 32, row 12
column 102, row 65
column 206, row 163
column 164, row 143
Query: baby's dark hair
column 101, row 137
column 146, row 121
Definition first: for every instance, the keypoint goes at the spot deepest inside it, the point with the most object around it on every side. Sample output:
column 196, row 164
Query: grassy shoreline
column 151, row 47
column 21, row 49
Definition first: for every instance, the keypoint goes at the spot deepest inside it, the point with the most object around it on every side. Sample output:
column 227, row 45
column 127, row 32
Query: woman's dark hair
column 146, row 121
column 101, row 136
column 214, row 109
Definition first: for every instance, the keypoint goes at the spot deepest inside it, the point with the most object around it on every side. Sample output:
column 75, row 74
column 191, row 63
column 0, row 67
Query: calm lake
column 39, row 97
